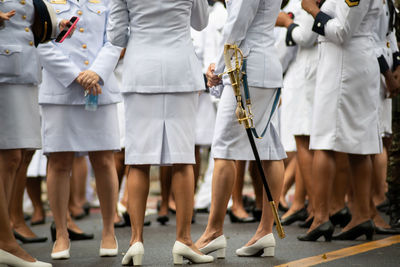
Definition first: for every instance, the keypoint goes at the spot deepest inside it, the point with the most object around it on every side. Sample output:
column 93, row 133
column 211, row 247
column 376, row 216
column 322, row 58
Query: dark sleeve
column 396, row 59
column 319, row 23
column 289, row 37
column 383, row 65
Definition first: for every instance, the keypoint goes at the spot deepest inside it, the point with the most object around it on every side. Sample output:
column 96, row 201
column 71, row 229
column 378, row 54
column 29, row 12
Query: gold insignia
column 62, row 2
column 95, row 1
column 352, row 3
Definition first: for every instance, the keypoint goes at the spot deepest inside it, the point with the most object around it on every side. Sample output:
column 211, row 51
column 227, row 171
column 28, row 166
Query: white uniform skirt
column 205, row 120
column 345, row 112
column 72, row 128
column 19, row 117
column 160, row 128
column 230, row 138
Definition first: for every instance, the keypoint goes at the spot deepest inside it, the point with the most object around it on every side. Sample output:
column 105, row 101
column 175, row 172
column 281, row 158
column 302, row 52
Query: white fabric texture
column 160, row 128
column 38, row 165
column 19, row 117
column 205, row 120
column 72, row 128
column 230, row 138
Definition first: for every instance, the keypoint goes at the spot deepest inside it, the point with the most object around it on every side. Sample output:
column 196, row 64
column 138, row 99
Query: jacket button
column 84, row 46
column 79, row 12
column 31, row 43
column 7, row 51
column 27, row 29
column 81, row 30
column 24, row 17
column 319, row 24
column 23, row 2
column 86, row 62
column 57, row 11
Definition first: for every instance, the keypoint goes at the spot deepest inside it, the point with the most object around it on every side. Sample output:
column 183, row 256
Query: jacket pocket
column 60, row 6
column 10, row 60
column 96, row 8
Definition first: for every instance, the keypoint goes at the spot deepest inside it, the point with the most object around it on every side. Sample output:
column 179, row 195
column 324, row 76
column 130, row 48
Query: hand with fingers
column 89, row 81
column 212, row 78
column 6, row 16
column 65, row 23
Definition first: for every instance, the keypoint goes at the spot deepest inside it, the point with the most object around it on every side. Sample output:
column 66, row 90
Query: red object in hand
column 67, row 30
column 291, row 15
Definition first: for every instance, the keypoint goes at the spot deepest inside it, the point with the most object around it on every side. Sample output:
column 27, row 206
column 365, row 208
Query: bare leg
column 222, row 184
column 323, row 174
column 257, row 184
column 237, row 192
column 305, row 161
column 361, row 169
column 274, row 170
column 340, row 183
column 16, row 209
column 138, row 190
column 165, row 182
column 78, row 186
column 120, row 166
column 379, row 163
column 299, row 194
column 9, row 163
column 182, row 187
column 107, row 190
column 289, row 177
column 58, row 183
column 34, row 189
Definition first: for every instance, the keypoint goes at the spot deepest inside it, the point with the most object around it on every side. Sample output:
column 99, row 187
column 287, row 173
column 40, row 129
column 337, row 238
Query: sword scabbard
column 279, row 227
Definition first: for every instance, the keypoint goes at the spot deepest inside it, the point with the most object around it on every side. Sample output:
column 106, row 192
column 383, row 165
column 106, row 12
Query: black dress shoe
column 42, row 221
column 299, row 215
column 26, row 240
column 127, row 220
column 120, row 224
column 342, row 217
column 257, row 213
column 235, row 219
column 365, row 228
column 27, row 217
column 79, row 216
column 306, row 224
column 72, row 234
column 86, row 208
column 282, row 208
column 386, row 231
column 384, row 206
column 163, row 219
column 326, row 229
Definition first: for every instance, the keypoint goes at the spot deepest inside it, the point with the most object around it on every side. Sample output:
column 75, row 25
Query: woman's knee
column 61, row 162
column 11, row 159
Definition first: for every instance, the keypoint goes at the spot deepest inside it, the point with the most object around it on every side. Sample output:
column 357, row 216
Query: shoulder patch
column 352, row 3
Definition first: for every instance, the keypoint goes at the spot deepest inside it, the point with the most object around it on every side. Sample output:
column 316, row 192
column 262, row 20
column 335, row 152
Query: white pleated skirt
column 71, row 128
column 19, row 117
column 160, row 128
column 205, row 120
column 230, row 138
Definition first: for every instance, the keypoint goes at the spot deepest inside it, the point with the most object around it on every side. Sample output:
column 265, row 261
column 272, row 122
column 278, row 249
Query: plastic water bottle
column 91, row 102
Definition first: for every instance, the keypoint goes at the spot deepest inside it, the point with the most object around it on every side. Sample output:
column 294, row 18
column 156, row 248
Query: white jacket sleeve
column 55, row 61
column 303, row 35
column 118, row 26
column 106, row 60
column 241, row 15
column 199, row 17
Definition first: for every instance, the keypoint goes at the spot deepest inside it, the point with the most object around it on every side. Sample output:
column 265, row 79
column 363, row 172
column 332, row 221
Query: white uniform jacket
column 88, row 48
column 160, row 57
column 19, row 62
column 250, row 25
column 345, row 115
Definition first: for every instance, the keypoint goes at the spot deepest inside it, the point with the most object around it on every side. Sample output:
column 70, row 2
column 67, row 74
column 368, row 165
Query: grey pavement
column 160, row 239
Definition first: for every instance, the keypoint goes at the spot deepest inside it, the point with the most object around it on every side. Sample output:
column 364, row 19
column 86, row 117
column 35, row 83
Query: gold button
column 23, row 2
column 27, row 29
column 388, row 44
column 79, row 12
column 24, row 17
column 98, row 11
column 84, row 46
column 57, row 10
column 86, row 62
column 31, row 43
column 81, row 30
column 7, row 51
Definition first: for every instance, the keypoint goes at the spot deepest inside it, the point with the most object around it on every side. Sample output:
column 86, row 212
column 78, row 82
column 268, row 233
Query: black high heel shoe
column 326, row 229
column 342, row 217
column 365, row 228
column 72, row 234
column 163, row 219
column 235, row 219
column 299, row 215
column 27, row 240
column 257, row 213
column 306, row 224
column 127, row 220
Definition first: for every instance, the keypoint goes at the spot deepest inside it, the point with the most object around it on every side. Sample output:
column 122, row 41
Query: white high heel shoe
column 8, row 259
column 218, row 245
column 266, row 244
column 180, row 251
column 61, row 255
column 108, row 252
column 134, row 254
